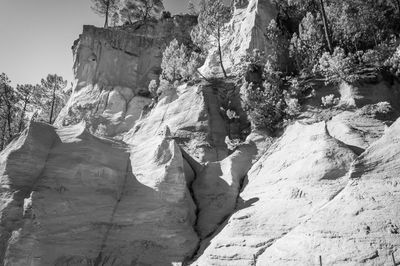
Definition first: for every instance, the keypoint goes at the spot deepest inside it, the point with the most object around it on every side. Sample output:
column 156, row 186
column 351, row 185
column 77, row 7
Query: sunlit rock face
column 113, row 68
column 193, row 114
column 242, row 34
column 117, row 183
column 300, row 173
column 360, row 226
column 70, row 198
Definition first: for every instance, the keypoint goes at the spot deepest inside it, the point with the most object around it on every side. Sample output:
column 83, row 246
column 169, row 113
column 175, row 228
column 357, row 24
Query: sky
column 36, row 36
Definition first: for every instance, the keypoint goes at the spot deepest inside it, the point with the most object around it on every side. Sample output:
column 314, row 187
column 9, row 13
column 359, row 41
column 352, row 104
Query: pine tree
column 105, row 8
column 213, row 15
column 192, row 8
column 140, row 10
column 52, row 97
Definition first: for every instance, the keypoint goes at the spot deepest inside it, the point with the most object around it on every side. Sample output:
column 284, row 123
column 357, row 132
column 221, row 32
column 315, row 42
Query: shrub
column 178, row 63
column 263, row 105
column 166, row 14
column 393, row 62
column 337, row 67
column 307, row 46
column 293, row 107
column 329, row 100
column 153, row 88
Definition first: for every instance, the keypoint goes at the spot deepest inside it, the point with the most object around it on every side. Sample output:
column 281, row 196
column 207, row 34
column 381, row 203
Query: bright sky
column 36, row 35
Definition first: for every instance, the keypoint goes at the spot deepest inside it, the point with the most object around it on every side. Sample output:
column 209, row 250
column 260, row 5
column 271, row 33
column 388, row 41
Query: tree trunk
column 326, row 29
column 107, row 11
column 220, row 52
column 21, row 120
column 52, row 105
column 3, row 135
column 9, row 121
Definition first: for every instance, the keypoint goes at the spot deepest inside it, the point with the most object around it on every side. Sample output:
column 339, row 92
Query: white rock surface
column 360, row 226
column 85, row 200
column 244, row 33
column 113, row 68
column 355, row 130
column 300, row 173
column 217, row 187
column 193, row 115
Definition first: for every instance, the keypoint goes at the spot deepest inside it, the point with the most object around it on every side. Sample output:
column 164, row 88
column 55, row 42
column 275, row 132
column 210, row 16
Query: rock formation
column 113, row 68
column 244, row 33
column 115, row 182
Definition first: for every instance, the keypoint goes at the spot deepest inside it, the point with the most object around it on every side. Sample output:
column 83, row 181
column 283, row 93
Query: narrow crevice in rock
column 189, row 259
column 205, row 239
column 215, row 120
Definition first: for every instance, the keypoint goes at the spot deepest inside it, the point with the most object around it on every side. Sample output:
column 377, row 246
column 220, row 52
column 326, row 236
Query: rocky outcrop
column 193, row 114
column 355, row 130
column 186, row 182
column 21, row 165
column 245, row 32
column 217, row 187
column 80, row 200
column 113, row 68
column 360, row 226
column 303, row 171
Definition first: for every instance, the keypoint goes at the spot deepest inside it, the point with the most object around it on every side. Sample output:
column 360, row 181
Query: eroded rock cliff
column 113, row 68
column 115, row 183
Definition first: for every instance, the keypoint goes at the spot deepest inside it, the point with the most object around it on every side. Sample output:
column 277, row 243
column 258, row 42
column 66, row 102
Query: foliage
column 393, row 62
column 166, row 14
column 178, row 63
column 306, row 47
column 140, row 10
column 25, row 102
column 362, row 24
column 106, row 8
column 212, row 17
column 153, row 86
column 191, row 7
column 265, row 105
column 8, row 110
column 329, row 100
column 277, row 45
column 52, row 97
column 337, row 67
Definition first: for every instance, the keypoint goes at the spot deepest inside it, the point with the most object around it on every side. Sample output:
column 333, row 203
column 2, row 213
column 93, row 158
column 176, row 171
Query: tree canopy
column 140, row 10
column 106, row 8
column 213, row 15
column 20, row 104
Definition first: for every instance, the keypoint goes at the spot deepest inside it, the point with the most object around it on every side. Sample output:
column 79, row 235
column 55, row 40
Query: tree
column 52, row 98
column 26, row 94
column 326, row 29
column 178, row 63
column 140, row 10
column 213, row 15
column 8, row 110
column 192, row 8
column 105, row 8
column 115, row 19
column 306, row 47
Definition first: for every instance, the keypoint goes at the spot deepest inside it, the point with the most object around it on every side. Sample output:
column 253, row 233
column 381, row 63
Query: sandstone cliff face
column 360, row 225
column 81, row 200
column 162, row 187
column 244, row 33
column 113, row 68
